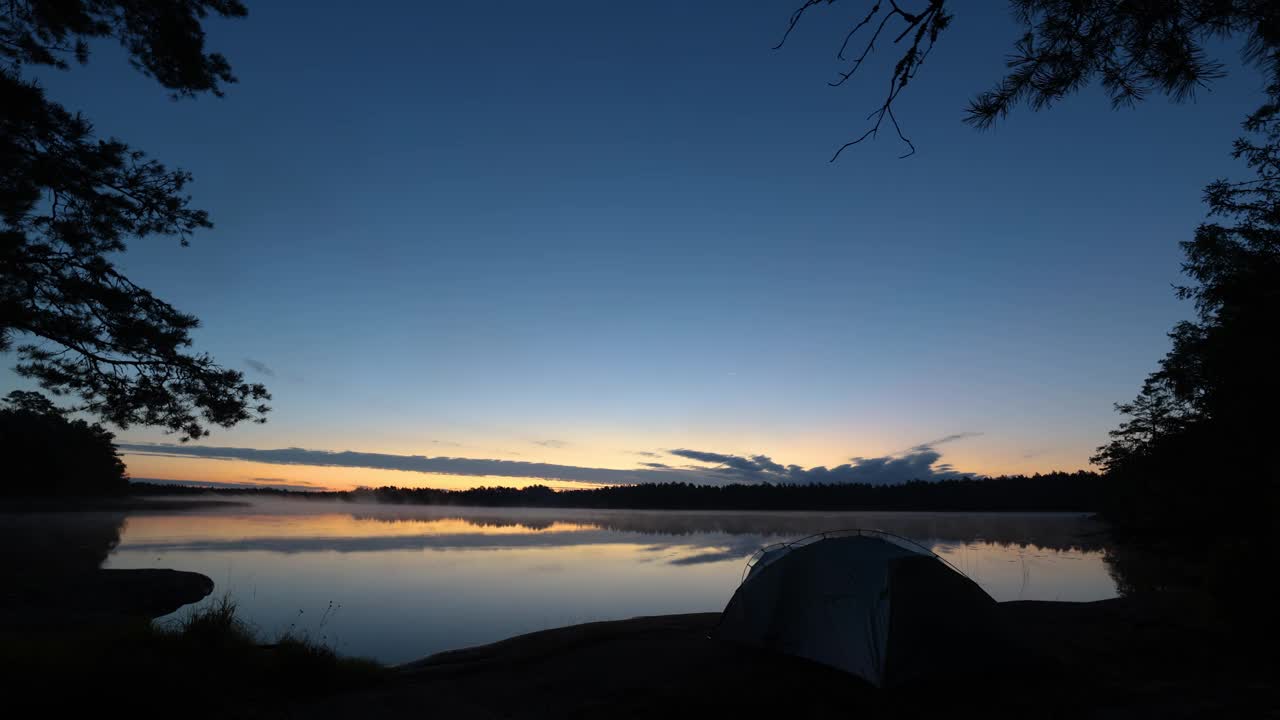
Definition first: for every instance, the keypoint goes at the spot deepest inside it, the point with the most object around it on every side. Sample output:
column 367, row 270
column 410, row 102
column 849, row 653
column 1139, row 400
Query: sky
column 580, row 243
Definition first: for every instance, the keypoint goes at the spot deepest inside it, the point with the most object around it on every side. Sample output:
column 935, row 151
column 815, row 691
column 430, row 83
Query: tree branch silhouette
column 69, row 199
column 1131, row 49
column 923, row 27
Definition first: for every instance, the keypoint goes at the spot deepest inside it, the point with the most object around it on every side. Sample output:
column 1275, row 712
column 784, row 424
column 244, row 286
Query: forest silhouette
column 1050, row 492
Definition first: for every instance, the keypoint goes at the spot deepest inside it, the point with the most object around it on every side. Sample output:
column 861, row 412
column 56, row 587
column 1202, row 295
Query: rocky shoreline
column 1154, row 657
column 100, row 596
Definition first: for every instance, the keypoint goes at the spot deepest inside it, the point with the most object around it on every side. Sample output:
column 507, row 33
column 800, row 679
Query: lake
column 397, row 583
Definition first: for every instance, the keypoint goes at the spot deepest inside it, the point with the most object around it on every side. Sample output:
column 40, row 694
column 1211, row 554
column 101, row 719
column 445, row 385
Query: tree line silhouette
column 1059, row 491
column 1195, row 444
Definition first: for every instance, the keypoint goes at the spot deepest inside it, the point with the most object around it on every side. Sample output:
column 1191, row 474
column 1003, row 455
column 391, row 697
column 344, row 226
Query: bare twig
column 921, row 27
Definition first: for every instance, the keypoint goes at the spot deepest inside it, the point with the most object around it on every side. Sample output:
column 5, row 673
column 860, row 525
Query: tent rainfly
column 866, row 602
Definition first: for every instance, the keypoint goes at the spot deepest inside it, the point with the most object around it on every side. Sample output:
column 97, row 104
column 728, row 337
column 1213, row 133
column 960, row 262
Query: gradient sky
column 563, row 234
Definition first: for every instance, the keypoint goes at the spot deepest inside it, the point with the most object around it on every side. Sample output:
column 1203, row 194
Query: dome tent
column 867, row 602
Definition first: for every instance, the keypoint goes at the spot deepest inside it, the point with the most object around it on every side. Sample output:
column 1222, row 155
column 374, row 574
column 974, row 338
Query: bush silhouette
column 50, row 454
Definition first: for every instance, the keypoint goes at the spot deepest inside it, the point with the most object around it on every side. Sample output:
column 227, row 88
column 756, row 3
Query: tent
column 867, row 602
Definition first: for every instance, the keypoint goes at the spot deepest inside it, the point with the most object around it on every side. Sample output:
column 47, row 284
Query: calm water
column 397, row 583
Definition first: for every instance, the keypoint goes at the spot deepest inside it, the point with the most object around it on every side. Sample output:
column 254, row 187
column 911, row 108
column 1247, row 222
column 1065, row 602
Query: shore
column 1114, row 658
column 1152, row 656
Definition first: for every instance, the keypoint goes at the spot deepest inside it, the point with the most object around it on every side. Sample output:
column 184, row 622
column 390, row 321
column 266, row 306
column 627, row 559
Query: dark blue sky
column 570, row 231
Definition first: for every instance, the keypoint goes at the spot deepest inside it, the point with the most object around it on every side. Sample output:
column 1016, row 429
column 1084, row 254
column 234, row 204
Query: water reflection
column 35, row 545
column 277, row 527
column 409, row 581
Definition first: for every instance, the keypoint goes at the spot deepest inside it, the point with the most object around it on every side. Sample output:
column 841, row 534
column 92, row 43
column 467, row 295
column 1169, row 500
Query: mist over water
column 400, row 582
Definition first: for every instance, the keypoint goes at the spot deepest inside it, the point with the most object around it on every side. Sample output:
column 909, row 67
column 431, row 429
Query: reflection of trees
column 1222, row 571
column 41, row 544
column 1140, row 569
column 54, row 562
column 1055, row 532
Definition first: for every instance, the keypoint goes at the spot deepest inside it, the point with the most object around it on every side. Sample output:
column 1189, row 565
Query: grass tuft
column 215, row 625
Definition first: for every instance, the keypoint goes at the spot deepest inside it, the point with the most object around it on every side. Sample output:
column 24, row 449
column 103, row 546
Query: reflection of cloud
column 682, row 538
column 917, row 463
column 748, row 530
column 738, row 547
column 710, row 557
column 708, row 547
column 430, row 541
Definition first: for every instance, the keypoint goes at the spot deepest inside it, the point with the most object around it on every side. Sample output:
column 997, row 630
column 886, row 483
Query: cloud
column 730, row 462
column 940, row 441
column 283, row 481
column 557, row 444
column 701, row 455
column 470, row 467
column 269, row 483
column 920, row 462
column 259, row 367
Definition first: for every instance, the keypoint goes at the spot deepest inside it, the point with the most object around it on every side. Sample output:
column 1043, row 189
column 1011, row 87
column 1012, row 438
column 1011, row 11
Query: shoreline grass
column 210, row 662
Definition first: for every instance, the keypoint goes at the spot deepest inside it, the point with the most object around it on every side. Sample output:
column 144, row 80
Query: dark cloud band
column 918, row 463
